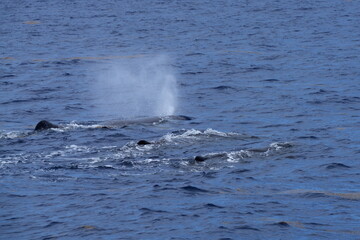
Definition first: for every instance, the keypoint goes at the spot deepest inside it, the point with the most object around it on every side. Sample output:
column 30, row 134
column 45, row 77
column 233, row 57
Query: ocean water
column 272, row 98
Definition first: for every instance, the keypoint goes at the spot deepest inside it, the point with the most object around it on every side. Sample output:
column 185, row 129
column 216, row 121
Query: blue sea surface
column 251, row 112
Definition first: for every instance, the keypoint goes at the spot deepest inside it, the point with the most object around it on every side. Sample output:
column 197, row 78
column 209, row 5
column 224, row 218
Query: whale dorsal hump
column 43, row 125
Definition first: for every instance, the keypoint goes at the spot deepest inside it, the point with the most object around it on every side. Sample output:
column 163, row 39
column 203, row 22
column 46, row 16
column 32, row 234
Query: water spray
column 137, row 87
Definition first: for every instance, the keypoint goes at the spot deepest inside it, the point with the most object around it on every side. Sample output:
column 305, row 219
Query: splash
column 136, row 87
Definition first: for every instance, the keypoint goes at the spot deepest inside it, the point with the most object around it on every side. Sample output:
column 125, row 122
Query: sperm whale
column 44, row 124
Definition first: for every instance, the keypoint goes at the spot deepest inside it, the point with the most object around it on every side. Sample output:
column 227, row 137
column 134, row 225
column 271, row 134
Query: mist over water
column 136, row 87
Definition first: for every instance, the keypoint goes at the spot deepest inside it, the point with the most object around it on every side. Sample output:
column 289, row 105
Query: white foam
column 212, row 132
column 129, row 150
column 77, row 148
column 280, row 145
column 4, row 162
column 11, row 160
column 74, row 125
column 235, row 156
column 68, row 150
column 150, row 160
column 94, row 160
column 196, row 134
column 11, row 134
column 55, row 154
column 109, row 147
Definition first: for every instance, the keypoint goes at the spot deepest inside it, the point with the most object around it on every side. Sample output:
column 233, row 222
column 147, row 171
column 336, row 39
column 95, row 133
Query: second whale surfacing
column 44, row 124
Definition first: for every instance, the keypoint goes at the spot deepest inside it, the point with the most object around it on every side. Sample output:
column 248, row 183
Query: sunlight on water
column 136, row 87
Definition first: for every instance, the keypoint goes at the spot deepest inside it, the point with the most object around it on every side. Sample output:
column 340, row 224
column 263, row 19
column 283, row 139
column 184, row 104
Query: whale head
column 43, row 125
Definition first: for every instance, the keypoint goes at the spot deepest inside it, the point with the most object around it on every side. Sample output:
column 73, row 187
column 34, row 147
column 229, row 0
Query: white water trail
column 136, row 87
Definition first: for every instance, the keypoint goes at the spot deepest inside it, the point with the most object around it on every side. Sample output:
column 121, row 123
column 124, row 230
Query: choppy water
column 272, row 88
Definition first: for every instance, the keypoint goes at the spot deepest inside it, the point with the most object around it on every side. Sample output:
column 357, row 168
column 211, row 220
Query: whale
column 143, row 143
column 203, row 158
column 44, row 124
column 250, row 152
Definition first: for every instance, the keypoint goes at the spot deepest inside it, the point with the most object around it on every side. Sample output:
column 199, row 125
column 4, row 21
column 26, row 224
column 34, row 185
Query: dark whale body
column 43, row 124
column 203, row 158
column 200, row 158
column 143, row 143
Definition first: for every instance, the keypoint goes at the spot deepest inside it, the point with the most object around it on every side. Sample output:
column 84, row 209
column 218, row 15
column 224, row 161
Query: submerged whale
column 245, row 153
column 43, row 124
